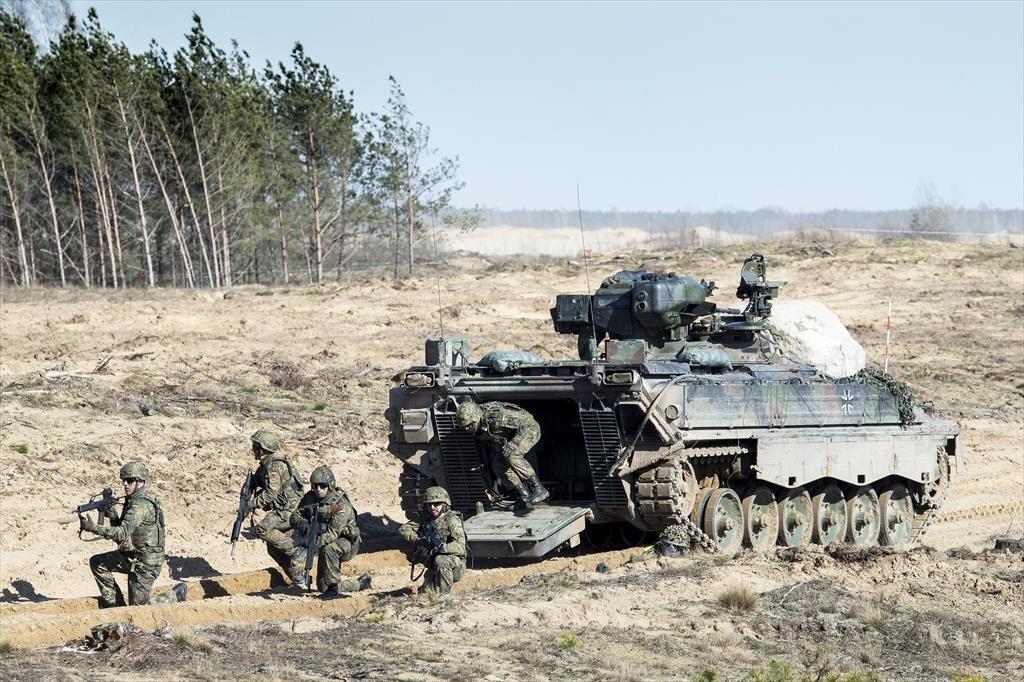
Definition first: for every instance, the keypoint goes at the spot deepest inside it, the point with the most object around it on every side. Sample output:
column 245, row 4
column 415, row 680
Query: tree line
column 198, row 169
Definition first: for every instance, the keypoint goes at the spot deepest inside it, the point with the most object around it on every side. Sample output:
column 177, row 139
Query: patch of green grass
column 20, row 448
column 567, row 641
column 738, row 598
column 320, row 407
column 380, row 617
column 959, row 676
column 707, row 675
column 775, row 671
column 187, row 640
column 6, row 647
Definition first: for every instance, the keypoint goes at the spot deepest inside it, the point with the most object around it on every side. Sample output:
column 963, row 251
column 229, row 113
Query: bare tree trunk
column 284, row 241
column 409, row 216
column 116, row 220
column 176, row 225
column 49, row 197
column 22, row 255
column 315, row 200
column 191, row 205
column 95, row 165
column 226, row 272
column 206, row 197
column 81, row 221
column 138, row 188
column 103, row 258
column 398, row 235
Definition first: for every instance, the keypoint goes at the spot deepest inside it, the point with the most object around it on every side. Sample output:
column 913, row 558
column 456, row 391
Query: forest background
column 200, row 169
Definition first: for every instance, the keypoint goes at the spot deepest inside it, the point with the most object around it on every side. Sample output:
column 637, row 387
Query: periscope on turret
column 678, row 413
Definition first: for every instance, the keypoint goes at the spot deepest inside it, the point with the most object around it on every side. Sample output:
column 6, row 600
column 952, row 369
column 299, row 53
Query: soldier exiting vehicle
column 139, row 534
column 439, row 541
column 511, row 432
column 277, row 491
column 337, row 540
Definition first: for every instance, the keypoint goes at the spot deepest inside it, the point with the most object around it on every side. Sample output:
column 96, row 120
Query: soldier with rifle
column 439, row 542
column 139, row 533
column 325, row 527
column 275, row 487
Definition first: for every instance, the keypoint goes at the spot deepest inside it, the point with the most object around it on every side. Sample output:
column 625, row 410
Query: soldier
column 278, row 490
column 512, row 432
column 139, row 534
column 339, row 538
column 439, row 533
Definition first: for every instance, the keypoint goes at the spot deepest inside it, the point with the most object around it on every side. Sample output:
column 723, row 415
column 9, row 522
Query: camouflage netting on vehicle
column 677, row 535
column 902, row 394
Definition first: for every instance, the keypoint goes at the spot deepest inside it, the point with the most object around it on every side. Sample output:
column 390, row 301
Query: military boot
column 523, row 498
column 297, row 567
column 540, row 493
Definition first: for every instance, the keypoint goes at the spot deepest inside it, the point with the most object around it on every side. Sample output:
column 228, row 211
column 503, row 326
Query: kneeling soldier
column 338, row 540
column 440, row 541
column 139, row 534
column 278, row 489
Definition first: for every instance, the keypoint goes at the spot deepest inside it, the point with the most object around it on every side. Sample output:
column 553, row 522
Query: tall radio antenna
column 586, row 271
column 437, row 264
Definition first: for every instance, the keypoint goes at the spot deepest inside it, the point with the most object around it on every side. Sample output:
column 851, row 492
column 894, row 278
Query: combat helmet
column 267, row 440
column 321, row 475
column 134, row 469
column 434, row 494
column 469, row 414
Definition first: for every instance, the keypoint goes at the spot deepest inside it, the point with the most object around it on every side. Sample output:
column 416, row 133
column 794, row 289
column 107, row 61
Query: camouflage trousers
column 141, row 577
column 275, row 530
column 512, row 469
column 328, row 566
column 445, row 570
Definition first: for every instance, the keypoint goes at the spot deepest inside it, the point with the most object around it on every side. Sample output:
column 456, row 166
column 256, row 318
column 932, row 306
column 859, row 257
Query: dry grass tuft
column 738, row 598
column 187, row 640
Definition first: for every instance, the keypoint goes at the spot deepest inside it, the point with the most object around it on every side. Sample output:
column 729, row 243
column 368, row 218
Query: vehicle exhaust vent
column 461, row 461
column 601, row 437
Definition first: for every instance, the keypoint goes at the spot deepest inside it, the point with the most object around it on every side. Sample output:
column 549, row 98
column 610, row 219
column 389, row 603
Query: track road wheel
column 863, row 520
column 723, row 521
column 829, row 508
column 760, row 519
column 697, row 513
column 796, row 519
column 897, row 516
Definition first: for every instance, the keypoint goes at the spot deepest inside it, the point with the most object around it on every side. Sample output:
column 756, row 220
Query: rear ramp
column 505, row 535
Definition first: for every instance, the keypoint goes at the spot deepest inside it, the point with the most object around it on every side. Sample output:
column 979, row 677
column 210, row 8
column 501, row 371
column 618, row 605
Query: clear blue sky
column 657, row 106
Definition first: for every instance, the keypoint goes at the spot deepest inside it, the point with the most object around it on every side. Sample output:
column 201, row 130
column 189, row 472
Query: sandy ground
column 316, row 364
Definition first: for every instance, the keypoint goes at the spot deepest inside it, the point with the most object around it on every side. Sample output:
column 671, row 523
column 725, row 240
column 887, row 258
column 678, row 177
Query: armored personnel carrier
column 678, row 414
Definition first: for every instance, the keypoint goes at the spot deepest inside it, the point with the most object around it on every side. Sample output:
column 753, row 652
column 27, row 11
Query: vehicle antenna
column 586, row 270
column 437, row 265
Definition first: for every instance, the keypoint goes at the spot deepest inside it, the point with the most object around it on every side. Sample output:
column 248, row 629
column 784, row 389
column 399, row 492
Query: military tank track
column 825, row 514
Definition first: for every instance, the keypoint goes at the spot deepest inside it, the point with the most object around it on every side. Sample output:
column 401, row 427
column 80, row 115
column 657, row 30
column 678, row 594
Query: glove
column 87, row 524
column 302, row 526
column 436, row 542
column 111, row 514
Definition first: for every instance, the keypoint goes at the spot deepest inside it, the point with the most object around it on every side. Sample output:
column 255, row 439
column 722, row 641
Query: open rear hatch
column 504, row 535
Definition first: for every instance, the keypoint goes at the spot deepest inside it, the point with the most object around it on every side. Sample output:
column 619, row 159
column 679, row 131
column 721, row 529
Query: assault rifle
column 428, row 544
column 244, row 507
column 101, row 501
column 312, row 535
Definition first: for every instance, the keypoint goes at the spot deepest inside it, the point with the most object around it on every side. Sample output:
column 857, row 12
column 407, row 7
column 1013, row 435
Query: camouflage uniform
column 447, row 564
column 512, row 432
column 278, row 490
column 139, row 534
column 338, row 541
